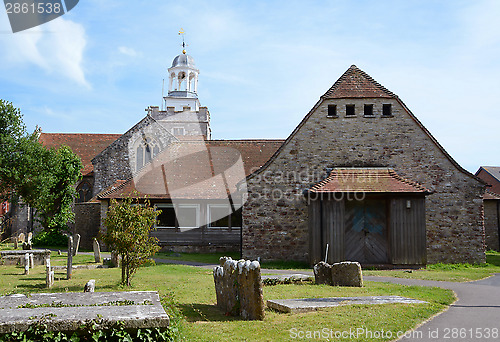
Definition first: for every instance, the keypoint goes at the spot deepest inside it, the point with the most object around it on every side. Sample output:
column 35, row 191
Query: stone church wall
column 275, row 218
column 114, row 163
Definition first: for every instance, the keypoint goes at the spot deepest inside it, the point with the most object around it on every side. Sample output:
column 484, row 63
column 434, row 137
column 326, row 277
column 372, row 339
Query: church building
column 360, row 178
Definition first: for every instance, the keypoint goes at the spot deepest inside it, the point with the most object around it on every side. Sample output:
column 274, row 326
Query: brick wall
column 276, row 216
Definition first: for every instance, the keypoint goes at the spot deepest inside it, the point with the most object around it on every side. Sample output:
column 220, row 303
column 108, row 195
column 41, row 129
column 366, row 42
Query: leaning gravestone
column 76, row 246
column 97, row 251
column 238, row 287
column 21, row 238
column 323, row 273
column 30, row 236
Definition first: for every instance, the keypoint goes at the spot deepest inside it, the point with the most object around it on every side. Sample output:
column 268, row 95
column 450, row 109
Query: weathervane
column 182, row 33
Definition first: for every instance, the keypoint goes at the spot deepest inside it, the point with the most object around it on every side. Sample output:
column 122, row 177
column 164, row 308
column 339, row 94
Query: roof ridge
column 353, row 70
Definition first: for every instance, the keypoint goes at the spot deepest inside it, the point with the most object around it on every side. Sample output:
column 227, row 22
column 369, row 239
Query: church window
column 387, row 109
column 178, row 131
column 145, row 152
column 84, row 191
column 332, row 110
column 368, row 110
column 350, row 110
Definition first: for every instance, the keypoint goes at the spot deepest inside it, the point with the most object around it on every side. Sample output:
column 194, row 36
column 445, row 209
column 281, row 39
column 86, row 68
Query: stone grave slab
column 68, row 311
column 311, row 304
column 17, row 257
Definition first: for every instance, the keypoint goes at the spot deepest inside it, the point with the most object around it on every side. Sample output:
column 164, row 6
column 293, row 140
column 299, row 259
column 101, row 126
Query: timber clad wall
column 276, row 227
column 491, row 223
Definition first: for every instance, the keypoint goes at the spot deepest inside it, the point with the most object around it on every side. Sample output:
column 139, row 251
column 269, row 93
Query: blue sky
column 263, row 64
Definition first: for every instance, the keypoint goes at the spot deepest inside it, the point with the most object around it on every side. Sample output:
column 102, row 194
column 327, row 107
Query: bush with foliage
column 128, row 224
column 51, row 238
column 39, row 333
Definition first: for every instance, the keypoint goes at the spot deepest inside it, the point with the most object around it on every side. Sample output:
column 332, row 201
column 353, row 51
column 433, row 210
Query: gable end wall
column 276, row 215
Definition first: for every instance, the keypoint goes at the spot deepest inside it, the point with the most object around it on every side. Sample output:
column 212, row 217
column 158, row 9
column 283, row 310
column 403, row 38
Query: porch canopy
column 369, row 215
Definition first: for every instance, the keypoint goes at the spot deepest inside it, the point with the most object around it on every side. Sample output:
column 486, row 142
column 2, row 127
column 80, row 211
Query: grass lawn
column 448, row 272
column 188, row 295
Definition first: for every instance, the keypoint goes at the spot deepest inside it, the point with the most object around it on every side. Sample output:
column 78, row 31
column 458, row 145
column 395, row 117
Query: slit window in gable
column 350, row 110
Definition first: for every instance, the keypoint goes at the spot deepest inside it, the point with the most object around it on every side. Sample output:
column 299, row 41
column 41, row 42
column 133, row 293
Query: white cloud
column 128, row 51
column 57, row 47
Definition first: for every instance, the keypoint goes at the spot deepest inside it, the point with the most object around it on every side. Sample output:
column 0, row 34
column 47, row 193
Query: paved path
column 475, row 316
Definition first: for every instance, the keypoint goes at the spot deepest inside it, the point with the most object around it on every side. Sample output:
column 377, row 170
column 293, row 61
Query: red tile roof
column 86, row 146
column 488, row 195
column 187, row 169
column 355, row 83
column 372, row 180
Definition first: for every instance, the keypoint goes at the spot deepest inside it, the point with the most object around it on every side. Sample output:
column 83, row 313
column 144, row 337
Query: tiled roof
column 186, row 170
column 86, row 146
column 355, row 83
column 490, row 175
column 372, row 180
column 488, row 195
column 493, row 170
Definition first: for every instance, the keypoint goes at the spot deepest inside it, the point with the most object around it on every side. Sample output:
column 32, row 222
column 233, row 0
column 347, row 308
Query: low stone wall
column 346, row 273
column 17, row 257
column 238, row 288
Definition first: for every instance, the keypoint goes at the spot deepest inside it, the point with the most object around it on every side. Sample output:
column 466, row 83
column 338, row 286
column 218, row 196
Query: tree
column 128, row 225
column 43, row 177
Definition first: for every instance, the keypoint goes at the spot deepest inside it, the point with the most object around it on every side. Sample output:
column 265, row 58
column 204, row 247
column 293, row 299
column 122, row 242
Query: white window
column 218, row 215
column 178, row 131
column 188, row 216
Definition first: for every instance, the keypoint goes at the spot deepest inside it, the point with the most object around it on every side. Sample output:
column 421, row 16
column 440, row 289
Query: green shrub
column 50, row 239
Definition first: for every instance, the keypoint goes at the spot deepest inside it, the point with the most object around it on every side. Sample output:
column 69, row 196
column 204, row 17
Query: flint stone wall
column 238, row 288
column 275, row 217
column 87, row 223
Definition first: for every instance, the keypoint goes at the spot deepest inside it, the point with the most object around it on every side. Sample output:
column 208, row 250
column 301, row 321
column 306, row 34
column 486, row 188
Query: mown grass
column 448, row 272
column 188, row 295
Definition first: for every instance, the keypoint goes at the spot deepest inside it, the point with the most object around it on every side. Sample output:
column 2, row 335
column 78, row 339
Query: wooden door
column 366, row 231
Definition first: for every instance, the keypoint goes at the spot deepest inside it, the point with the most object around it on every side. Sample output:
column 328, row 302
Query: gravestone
column 30, row 236
column 347, row 273
column 90, row 286
column 26, row 264
column 238, row 287
column 27, row 246
column 115, row 259
column 15, row 240
column 76, row 246
column 21, row 238
column 97, row 251
column 323, row 273
column 250, row 290
column 49, row 274
column 32, row 261
column 69, row 266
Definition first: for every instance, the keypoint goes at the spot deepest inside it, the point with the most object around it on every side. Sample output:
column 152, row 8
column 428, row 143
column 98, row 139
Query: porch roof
column 490, row 195
column 372, row 180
